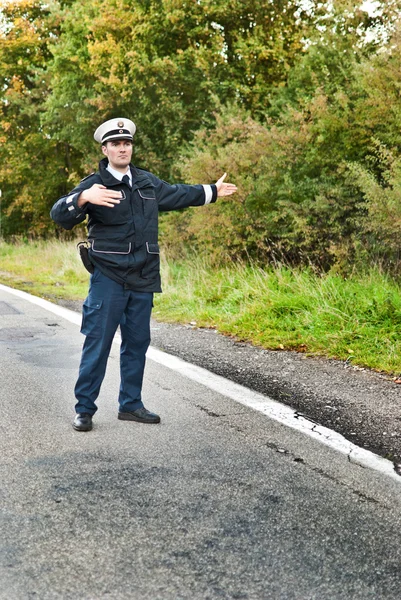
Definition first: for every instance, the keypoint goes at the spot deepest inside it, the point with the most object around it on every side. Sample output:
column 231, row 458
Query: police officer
column 122, row 203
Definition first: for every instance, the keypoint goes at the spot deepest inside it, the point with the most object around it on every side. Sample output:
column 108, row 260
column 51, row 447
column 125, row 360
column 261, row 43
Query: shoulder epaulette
column 140, row 169
column 87, row 177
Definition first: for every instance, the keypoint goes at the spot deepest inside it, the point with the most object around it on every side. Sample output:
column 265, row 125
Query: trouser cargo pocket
column 92, row 320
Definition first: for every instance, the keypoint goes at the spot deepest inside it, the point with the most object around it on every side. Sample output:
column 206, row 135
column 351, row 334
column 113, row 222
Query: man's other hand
column 225, row 189
column 101, row 195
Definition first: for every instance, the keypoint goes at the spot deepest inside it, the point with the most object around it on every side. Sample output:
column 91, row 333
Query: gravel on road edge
column 362, row 405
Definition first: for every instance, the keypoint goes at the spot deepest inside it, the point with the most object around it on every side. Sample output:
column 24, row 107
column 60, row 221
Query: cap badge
column 120, row 124
column 121, row 131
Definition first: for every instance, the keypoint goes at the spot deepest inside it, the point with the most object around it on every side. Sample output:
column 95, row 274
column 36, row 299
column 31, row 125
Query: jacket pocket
column 152, row 248
column 152, row 266
column 149, row 203
column 107, row 247
column 92, row 321
column 147, row 193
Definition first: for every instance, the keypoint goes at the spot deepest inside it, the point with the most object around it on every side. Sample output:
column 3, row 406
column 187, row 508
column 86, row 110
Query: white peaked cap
column 115, row 129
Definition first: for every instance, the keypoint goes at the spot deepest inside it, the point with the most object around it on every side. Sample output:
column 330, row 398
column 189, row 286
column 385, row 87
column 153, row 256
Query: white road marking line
column 68, row 315
column 271, row 408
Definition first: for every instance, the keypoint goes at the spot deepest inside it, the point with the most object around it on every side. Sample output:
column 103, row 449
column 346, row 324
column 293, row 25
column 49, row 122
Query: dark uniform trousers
column 107, row 306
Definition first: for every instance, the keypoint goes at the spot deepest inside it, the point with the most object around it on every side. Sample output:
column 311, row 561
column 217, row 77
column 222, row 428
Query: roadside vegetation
column 52, row 270
column 298, row 101
column 357, row 319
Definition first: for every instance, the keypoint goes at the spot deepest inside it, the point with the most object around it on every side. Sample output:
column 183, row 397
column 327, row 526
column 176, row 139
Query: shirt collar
column 118, row 175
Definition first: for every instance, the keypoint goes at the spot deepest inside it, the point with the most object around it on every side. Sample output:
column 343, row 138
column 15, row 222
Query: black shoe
column 82, row 422
column 141, row 415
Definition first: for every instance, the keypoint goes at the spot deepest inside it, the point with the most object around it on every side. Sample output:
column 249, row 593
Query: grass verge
column 356, row 319
column 50, row 269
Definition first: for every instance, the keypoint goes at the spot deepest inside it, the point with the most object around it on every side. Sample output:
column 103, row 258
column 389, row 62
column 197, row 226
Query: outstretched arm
column 177, row 196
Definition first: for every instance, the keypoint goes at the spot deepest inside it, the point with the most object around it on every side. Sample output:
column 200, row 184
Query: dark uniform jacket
column 124, row 239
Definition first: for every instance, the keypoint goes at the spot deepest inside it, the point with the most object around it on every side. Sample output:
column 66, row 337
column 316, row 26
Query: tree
column 168, row 66
column 32, row 163
column 303, row 172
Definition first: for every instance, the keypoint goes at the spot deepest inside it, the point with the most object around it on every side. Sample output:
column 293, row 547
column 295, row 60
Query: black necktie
column 126, row 180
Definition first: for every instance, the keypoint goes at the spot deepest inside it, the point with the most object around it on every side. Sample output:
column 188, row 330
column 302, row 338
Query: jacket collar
column 109, row 180
column 138, row 178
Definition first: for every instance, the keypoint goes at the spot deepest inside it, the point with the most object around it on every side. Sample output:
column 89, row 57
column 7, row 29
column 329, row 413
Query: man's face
column 119, row 153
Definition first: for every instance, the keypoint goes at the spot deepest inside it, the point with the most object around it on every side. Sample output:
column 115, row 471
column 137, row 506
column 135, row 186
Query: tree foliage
column 299, row 102
column 167, row 65
column 314, row 175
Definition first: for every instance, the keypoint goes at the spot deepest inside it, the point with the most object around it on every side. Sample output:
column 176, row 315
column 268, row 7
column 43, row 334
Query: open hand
column 225, row 189
column 100, row 195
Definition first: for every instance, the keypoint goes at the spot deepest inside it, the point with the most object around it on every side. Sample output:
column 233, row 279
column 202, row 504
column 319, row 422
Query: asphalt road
column 362, row 405
column 233, row 506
